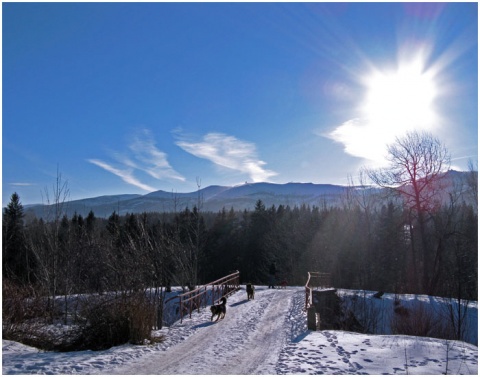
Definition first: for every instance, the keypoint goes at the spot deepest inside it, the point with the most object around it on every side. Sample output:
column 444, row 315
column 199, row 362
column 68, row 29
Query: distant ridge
column 213, row 198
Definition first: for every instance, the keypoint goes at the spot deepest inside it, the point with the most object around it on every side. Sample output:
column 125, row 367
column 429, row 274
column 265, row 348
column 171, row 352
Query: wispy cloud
column 154, row 162
column 22, row 184
column 229, row 152
column 143, row 156
column 126, row 174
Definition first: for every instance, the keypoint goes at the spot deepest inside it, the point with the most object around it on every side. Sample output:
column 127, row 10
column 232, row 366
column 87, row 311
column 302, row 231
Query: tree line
column 363, row 248
column 419, row 238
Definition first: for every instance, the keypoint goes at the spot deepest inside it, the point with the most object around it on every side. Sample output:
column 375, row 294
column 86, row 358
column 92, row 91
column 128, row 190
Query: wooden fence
column 315, row 280
column 199, row 297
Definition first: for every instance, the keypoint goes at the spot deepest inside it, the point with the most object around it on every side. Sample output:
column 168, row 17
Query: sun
column 395, row 101
column 400, row 100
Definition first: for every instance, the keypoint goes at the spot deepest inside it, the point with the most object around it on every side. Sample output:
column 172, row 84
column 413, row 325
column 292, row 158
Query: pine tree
column 17, row 261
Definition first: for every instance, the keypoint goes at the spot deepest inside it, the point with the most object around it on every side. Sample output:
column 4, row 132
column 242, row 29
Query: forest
column 409, row 233
column 365, row 244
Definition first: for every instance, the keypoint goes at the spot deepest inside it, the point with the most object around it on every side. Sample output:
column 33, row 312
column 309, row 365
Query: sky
column 130, row 98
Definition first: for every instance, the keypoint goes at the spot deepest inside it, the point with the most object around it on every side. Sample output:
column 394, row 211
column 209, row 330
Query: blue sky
column 137, row 97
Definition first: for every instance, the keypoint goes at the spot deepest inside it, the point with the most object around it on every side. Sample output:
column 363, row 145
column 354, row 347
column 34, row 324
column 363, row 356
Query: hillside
column 265, row 336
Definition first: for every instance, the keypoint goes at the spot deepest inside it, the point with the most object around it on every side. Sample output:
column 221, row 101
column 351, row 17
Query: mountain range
column 211, row 198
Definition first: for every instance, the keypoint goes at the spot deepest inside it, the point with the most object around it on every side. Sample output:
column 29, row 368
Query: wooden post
column 311, row 318
column 326, row 302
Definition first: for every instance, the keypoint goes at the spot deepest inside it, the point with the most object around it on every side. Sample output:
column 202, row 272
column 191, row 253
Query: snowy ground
column 265, row 336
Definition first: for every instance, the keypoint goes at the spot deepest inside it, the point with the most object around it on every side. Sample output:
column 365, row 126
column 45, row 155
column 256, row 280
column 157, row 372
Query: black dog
column 250, row 291
column 219, row 310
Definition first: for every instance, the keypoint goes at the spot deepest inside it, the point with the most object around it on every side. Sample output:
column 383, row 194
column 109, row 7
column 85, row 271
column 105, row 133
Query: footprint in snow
column 357, row 366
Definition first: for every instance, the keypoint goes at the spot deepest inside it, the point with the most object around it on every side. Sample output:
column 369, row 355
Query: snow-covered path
column 248, row 340
column 265, row 336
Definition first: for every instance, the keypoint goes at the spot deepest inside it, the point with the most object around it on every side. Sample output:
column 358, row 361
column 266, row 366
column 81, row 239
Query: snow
column 438, row 308
column 267, row 335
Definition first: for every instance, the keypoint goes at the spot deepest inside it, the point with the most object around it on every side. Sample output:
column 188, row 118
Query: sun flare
column 396, row 101
column 401, row 100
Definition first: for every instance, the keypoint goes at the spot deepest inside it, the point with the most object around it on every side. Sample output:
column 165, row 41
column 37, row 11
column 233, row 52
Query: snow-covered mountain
column 211, row 198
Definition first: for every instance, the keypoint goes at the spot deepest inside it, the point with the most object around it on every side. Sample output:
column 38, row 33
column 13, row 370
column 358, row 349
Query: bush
column 111, row 322
column 19, row 303
column 360, row 314
column 103, row 323
column 23, row 315
column 141, row 319
column 418, row 321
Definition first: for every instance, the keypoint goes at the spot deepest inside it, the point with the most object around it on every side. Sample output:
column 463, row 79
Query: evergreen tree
column 388, row 259
column 90, row 222
column 18, row 263
column 258, row 256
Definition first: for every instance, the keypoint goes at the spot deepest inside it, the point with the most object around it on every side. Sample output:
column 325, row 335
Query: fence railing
column 315, row 280
column 199, row 297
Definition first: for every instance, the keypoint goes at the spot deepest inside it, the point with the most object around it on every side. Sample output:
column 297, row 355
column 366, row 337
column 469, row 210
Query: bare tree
column 417, row 163
column 47, row 248
column 197, row 235
column 472, row 181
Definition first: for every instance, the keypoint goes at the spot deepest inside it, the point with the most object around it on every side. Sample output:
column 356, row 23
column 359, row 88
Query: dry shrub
column 401, row 311
column 360, row 314
column 19, row 303
column 23, row 315
column 110, row 322
column 418, row 321
column 141, row 319
column 104, row 321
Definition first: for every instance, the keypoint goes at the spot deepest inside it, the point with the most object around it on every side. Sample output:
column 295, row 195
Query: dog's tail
column 224, row 300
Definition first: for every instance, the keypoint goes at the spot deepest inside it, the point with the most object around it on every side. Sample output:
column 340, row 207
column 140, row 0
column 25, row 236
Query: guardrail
column 197, row 298
column 315, row 280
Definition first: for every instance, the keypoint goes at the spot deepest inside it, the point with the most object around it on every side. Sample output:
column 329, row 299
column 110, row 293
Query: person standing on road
column 272, row 272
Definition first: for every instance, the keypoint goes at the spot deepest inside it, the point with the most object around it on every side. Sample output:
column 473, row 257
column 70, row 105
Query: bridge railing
column 199, row 297
column 315, row 280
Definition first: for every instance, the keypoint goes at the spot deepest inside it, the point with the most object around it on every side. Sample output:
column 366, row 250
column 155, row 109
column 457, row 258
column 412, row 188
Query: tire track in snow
column 248, row 341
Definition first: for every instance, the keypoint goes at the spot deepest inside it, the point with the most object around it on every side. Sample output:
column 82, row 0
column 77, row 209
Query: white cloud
column 125, row 174
column 229, row 152
column 154, row 162
column 369, row 139
column 143, row 156
column 362, row 139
